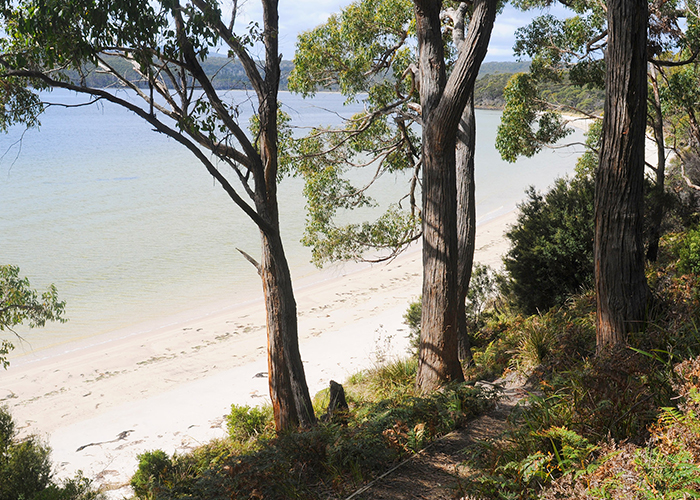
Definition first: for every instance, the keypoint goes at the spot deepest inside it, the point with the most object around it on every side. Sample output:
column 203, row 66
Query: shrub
column 152, row 473
column 25, row 469
column 78, row 488
column 689, row 253
column 537, row 340
column 244, row 422
column 551, row 254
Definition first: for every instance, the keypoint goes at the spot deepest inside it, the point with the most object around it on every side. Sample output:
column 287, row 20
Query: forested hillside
column 224, row 73
column 488, row 91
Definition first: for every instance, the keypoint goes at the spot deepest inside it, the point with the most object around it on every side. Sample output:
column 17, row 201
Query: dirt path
column 434, row 473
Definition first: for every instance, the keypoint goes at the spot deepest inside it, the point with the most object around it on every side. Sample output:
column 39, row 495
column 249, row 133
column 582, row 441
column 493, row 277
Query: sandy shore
column 101, row 402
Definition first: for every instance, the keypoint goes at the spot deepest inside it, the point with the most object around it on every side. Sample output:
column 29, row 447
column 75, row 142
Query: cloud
column 297, row 16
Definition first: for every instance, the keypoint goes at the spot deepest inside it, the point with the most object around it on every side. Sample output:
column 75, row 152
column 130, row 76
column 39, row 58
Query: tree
column 19, row 303
column 570, row 47
column 621, row 287
column 354, row 51
column 165, row 42
column 570, row 52
column 443, row 101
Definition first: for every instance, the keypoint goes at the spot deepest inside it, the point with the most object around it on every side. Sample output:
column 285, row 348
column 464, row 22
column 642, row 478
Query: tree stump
column 337, row 405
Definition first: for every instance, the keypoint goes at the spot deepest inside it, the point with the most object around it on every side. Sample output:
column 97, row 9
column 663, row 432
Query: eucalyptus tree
column 572, row 51
column 580, row 47
column 165, row 42
column 678, row 88
column 618, row 251
column 371, row 47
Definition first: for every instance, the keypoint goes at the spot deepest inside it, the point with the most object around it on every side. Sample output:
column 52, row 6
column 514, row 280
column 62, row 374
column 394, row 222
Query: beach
column 167, row 385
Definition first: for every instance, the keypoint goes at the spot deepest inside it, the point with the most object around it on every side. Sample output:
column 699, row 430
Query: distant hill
column 493, row 77
column 488, row 90
column 228, row 74
column 492, row 68
column 224, row 73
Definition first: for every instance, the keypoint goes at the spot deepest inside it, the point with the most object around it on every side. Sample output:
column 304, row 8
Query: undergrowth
column 386, row 422
column 624, row 425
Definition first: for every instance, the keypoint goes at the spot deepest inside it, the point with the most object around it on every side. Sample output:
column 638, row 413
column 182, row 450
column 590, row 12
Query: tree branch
column 159, row 127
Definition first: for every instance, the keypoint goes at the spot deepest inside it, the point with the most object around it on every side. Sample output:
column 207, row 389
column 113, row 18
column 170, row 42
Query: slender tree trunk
column 619, row 253
column 657, row 210
column 288, row 389
column 466, row 218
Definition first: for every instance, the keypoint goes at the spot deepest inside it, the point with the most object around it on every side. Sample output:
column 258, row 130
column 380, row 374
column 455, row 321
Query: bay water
column 130, row 227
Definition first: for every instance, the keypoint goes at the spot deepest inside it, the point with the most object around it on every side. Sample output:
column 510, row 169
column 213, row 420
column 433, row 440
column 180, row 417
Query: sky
column 297, row 16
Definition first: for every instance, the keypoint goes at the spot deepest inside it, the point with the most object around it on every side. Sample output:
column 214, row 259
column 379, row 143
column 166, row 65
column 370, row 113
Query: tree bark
column 442, row 103
column 619, row 253
column 466, row 219
column 288, row 389
column 438, row 360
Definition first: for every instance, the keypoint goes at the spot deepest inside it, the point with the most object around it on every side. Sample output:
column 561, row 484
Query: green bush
column 551, row 254
column 78, row 488
column 244, row 422
column 690, row 253
column 151, row 478
column 25, row 469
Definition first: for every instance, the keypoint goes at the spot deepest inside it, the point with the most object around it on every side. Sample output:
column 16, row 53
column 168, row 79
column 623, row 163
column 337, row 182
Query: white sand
column 168, row 386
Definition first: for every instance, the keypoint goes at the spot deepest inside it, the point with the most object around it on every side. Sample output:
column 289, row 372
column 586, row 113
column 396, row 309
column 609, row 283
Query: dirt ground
column 434, row 474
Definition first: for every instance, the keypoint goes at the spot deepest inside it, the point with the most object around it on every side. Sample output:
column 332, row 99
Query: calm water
column 130, row 227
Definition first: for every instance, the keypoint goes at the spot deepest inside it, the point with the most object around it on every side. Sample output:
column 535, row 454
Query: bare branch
column 250, row 259
column 687, row 179
column 669, row 64
column 159, row 127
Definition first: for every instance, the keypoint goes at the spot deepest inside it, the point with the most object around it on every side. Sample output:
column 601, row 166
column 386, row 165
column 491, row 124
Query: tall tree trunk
column 657, row 204
column 288, row 389
column 438, row 361
column 619, row 253
column 442, row 104
column 466, row 219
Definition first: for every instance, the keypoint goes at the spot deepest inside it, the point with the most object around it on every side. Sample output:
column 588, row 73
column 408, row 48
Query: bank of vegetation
column 488, row 90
